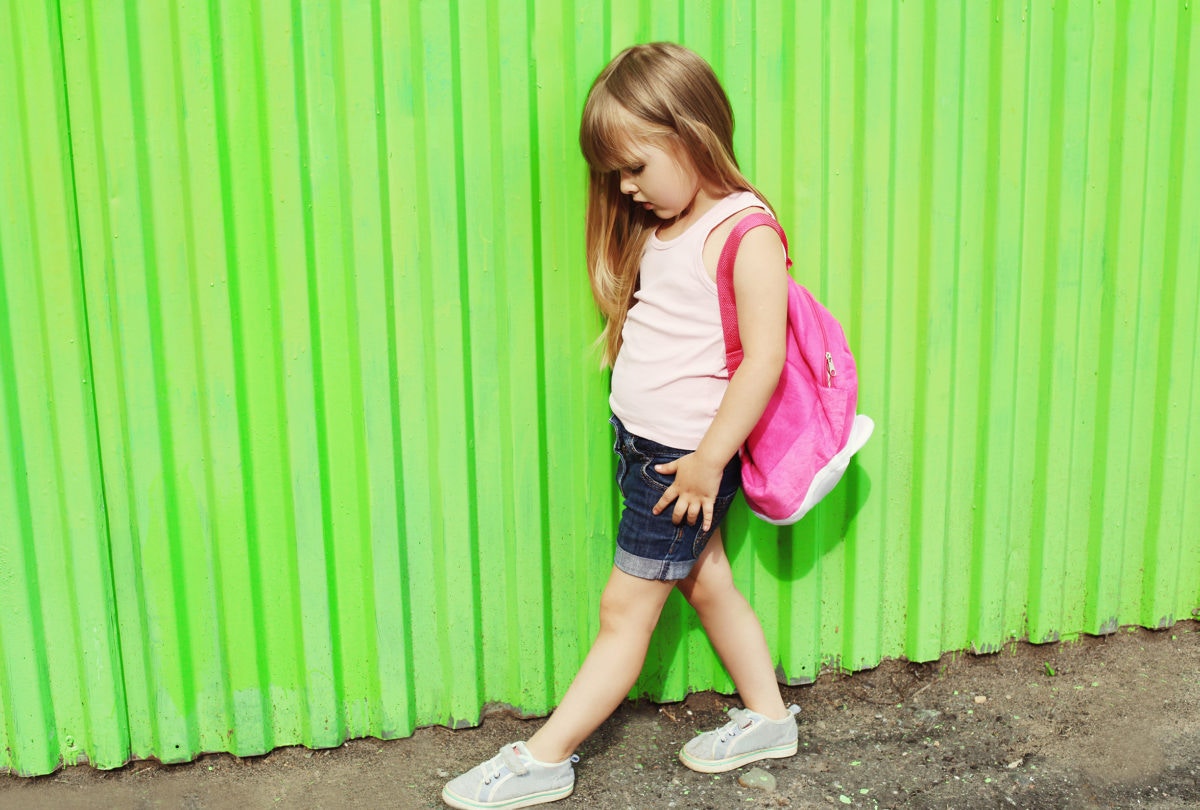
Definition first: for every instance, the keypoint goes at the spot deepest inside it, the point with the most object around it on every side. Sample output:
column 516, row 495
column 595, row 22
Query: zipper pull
column 829, row 364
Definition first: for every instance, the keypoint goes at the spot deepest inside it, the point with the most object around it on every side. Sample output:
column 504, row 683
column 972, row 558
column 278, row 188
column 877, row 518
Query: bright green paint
column 301, row 434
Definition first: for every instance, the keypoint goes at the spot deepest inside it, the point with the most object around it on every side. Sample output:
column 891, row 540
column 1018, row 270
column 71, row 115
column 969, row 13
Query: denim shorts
column 650, row 546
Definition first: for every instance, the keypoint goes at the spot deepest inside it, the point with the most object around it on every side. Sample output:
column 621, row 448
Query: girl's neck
column 701, row 204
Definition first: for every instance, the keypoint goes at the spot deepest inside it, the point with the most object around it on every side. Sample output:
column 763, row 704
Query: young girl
column 664, row 193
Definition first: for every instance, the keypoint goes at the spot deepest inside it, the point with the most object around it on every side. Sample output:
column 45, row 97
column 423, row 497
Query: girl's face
column 662, row 181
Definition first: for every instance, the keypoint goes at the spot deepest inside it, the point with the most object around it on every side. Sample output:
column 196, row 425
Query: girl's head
column 659, row 96
column 667, row 96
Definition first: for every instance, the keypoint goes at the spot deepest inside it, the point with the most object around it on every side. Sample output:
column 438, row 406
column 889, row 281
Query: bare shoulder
column 758, row 246
column 721, row 232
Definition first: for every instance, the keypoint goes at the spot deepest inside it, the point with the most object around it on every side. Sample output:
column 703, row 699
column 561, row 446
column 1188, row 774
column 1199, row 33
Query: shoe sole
column 462, row 803
column 732, row 763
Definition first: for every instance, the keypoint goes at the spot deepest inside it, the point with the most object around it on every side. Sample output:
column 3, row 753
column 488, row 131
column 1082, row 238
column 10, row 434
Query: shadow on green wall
column 797, row 548
column 788, row 554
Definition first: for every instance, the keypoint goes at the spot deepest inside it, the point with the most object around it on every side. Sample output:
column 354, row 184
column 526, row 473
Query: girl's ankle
column 546, row 756
column 773, row 713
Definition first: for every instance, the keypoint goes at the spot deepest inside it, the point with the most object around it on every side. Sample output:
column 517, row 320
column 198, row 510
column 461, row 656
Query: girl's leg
column 734, row 630
column 629, row 610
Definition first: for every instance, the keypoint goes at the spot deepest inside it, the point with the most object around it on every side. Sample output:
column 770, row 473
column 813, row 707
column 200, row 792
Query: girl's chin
column 659, row 213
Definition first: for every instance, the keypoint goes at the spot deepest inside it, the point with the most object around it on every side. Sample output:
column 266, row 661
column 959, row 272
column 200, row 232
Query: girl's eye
column 636, row 170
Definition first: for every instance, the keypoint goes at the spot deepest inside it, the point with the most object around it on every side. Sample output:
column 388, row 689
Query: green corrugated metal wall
column 301, row 436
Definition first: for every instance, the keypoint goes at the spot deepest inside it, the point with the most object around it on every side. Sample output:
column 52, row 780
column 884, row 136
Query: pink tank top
column 670, row 375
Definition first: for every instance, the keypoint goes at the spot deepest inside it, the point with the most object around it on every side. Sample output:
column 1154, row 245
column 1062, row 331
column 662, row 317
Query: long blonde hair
column 674, row 100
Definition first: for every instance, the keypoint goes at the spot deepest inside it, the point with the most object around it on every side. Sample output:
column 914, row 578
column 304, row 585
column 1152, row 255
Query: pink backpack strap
column 725, row 293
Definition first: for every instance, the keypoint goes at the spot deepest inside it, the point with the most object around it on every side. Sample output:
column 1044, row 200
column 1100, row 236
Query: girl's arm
column 760, row 288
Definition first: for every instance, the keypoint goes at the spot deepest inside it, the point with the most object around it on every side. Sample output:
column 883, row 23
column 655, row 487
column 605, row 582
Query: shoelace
column 739, row 722
column 507, row 758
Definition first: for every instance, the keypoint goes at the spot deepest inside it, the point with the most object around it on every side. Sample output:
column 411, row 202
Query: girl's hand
column 694, row 490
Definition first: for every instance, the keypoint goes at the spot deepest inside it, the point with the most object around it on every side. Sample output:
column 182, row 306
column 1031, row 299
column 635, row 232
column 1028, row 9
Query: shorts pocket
column 654, row 478
column 622, row 465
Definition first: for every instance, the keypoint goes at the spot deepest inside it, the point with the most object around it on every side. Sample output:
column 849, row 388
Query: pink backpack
column 803, row 443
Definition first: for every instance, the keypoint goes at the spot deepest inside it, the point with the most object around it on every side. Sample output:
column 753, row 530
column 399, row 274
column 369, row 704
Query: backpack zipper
column 830, row 371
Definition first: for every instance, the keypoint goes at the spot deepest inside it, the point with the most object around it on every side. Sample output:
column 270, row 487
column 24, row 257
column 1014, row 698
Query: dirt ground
column 1109, row 722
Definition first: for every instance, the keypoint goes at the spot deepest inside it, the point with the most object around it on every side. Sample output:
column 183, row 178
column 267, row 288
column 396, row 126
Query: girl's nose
column 627, row 184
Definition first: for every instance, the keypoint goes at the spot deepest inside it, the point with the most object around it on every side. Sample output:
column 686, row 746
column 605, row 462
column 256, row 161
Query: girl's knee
column 621, row 620
column 624, row 611
column 711, row 593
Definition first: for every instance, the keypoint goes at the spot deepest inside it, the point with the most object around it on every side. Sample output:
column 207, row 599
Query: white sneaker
column 511, row 779
column 747, row 737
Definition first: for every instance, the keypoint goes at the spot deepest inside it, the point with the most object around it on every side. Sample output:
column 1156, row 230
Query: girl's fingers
column 689, row 511
column 665, row 501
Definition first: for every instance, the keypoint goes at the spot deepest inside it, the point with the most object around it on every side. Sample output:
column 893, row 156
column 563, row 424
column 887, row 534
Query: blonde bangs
column 609, row 130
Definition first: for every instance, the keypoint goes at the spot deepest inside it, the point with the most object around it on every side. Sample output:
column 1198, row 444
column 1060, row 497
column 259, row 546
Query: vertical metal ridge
column 523, row 617
column 139, row 670
column 265, row 629
column 358, row 650
column 324, row 617
column 208, row 526
column 537, row 268
column 231, row 268
column 470, row 460
column 1156, row 601
column 893, row 432
column 927, row 540
column 8, row 368
column 478, row 135
column 785, row 198
column 109, row 378
column 985, row 599
column 483, row 264
column 1139, row 278
column 1076, row 328
column 436, row 699
column 397, row 691
column 961, row 406
column 182, row 735
column 104, row 742
column 1091, row 309
column 16, row 758
column 437, row 277
column 1185, row 251
column 25, row 629
column 380, row 525
column 1077, row 219
column 563, row 560
column 413, row 286
column 210, row 536
column 1101, row 576
column 1154, row 279
column 1036, row 454
column 1131, row 402
column 1177, row 253
column 1022, row 468
column 246, row 507
column 1045, row 248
